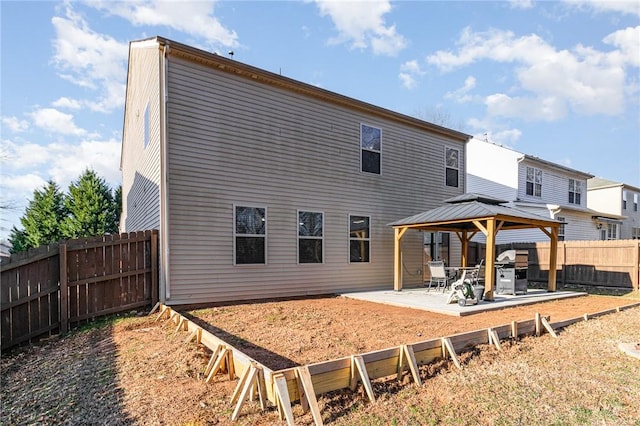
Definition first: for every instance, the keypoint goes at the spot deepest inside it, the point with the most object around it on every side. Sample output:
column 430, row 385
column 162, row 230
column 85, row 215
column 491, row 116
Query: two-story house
column 532, row 184
column 619, row 202
column 263, row 186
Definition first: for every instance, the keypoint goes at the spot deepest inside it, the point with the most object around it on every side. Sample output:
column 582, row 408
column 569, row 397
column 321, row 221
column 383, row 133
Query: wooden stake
column 222, row 356
column 212, row 360
column 493, row 338
column 230, row 366
column 407, row 354
column 250, row 373
column 262, row 388
column 181, row 324
column 155, row 308
column 240, row 385
column 514, row 329
column 282, row 395
column 538, row 325
column 357, row 364
column 165, row 309
column 447, row 346
column 303, row 399
column 309, row 394
column 548, row 327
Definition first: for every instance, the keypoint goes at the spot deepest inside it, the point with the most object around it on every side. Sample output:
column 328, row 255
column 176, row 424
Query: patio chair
column 438, row 275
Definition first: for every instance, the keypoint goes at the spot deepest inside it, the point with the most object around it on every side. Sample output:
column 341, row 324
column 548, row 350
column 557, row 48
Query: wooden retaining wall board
column 347, row 372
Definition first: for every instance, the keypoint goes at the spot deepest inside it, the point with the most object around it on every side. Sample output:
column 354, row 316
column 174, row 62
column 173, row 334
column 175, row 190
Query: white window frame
column 379, row 151
column 613, row 231
column 368, row 239
column 309, row 237
column 536, row 171
column 635, row 233
column 561, row 228
column 265, row 235
column 575, row 189
column 624, row 200
column 447, row 166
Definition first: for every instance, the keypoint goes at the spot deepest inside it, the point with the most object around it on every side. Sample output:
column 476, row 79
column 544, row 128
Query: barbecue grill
column 511, row 272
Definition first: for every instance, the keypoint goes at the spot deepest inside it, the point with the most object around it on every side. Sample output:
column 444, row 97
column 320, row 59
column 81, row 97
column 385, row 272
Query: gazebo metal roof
column 468, row 214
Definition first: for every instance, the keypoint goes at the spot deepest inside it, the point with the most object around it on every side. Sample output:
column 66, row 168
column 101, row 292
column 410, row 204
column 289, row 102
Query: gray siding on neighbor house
column 237, row 141
column 140, row 164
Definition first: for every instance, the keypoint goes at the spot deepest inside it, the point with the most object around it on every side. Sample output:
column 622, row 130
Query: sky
column 557, row 80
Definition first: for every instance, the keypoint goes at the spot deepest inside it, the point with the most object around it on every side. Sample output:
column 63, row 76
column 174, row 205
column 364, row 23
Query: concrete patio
column 435, row 301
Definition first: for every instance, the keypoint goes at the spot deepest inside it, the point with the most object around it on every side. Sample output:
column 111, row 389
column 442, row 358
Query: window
column 635, row 202
column 250, row 233
column 358, row 239
column 534, row 182
column 310, row 237
column 635, row 233
column 452, row 166
column 146, row 125
column 612, row 231
column 624, row 200
column 561, row 230
column 575, row 191
column 370, row 147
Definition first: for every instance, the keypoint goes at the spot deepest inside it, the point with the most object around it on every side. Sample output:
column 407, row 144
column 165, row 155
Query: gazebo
column 468, row 214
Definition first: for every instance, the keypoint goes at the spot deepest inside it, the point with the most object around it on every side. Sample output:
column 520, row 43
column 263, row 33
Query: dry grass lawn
column 137, row 371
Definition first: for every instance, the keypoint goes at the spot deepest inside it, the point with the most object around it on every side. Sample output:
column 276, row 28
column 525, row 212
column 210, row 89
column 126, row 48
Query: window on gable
column 310, row 237
column 534, row 182
column 359, row 239
column 370, row 148
column 146, row 125
column 250, row 232
column 575, row 191
column 452, row 166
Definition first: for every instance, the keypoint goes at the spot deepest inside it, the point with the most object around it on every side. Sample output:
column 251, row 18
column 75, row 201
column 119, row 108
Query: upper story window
column 370, row 148
column 635, row 202
column 452, row 166
column 310, row 237
column 624, row 200
column 359, row 238
column 250, row 234
column 534, row 182
column 147, row 134
column 575, row 191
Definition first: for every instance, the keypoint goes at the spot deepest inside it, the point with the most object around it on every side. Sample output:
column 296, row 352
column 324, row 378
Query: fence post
column 154, row 267
column 64, row 291
column 635, row 282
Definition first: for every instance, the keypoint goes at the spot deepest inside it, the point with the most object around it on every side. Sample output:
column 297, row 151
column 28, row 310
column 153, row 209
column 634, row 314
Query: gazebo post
column 397, row 258
column 465, row 247
column 490, row 270
column 553, row 259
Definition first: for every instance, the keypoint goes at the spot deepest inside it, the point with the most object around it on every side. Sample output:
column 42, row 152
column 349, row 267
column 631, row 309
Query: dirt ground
column 138, row 371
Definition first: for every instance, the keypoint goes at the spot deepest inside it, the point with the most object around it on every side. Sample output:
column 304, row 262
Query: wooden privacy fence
column 46, row 290
column 613, row 264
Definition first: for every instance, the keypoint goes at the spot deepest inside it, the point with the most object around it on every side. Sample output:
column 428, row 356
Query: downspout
column 164, row 193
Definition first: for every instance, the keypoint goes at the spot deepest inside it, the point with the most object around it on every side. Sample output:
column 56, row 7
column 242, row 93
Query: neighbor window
column 359, row 238
column 561, row 230
column 635, row 233
column 370, row 148
column 452, row 166
column 147, row 135
column 250, row 232
column 635, row 202
column 612, row 231
column 310, row 236
column 534, row 182
column 575, row 191
column 624, row 200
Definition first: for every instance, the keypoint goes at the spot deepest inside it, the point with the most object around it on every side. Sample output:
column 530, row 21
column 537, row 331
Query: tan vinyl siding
column 236, row 141
column 140, row 164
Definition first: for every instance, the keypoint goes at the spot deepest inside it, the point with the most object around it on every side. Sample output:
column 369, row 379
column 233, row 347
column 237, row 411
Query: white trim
column 309, row 237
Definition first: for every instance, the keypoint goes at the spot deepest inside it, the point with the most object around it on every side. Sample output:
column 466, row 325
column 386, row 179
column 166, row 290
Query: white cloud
column 15, row 124
column 552, row 81
column 462, row 95
column 89, row 59
column 362, row 24
column 626, row 7
column 521, row 4
column 195, row 18
column 54, row 121
column 409, row 71
column 493, row 132
column 67, row 103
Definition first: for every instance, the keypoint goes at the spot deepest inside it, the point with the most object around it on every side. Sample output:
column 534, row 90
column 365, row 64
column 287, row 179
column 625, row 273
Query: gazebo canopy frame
column 468, row 214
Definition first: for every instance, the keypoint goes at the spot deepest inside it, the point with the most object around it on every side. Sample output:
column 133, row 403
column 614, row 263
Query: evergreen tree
column 117, row 207
column 18, row 240
column 41, row 220
column 90, row 206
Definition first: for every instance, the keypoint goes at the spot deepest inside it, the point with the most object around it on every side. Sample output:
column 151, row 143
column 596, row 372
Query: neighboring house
column 263, row 186
column 619, row 216
column 535, row 185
